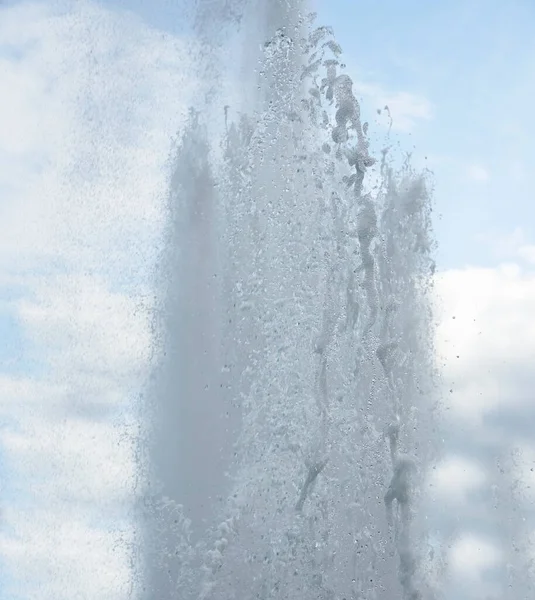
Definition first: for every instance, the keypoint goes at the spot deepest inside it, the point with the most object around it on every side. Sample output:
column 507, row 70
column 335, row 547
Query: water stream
column 291, row 427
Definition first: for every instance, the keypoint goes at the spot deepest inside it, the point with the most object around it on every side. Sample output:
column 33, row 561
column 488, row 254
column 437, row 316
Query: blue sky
column 75, row 251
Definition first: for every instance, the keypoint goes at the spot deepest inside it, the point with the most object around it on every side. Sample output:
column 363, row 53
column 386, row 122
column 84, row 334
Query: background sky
column 93, row 94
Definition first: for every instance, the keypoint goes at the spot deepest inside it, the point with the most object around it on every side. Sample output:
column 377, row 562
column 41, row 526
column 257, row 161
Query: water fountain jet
column 296, row 311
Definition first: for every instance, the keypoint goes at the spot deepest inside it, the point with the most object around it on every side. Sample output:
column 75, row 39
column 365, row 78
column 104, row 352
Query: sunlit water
column 292, row 422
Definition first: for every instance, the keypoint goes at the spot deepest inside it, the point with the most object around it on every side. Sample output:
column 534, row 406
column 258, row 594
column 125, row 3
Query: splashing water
column 294, row 396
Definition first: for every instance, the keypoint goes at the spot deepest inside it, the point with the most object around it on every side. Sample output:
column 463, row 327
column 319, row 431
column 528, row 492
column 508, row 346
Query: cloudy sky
column 93, row 94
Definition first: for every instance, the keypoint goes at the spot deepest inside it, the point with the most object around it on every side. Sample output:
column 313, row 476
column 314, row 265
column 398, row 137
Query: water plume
column 295, row 386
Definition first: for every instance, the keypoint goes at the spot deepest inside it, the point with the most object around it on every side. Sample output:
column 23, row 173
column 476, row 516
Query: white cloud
column 70, row 449
column 405, row 108
column 485, row 341
column 400, row 110
column 85, row 328
column 58, row 554
column 95, row 99
column 486, row 338
column 456, row 477
column 470, row 556
column 74, row 463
